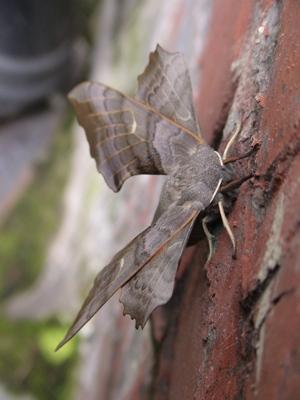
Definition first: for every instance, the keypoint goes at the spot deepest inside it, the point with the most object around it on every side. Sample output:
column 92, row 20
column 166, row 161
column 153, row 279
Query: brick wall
column 231, row 330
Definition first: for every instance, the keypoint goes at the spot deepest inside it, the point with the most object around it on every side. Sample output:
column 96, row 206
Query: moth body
column 156, row 132
column 198, row 180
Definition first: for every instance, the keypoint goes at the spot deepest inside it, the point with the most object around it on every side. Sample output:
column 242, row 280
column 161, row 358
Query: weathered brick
column 233, row 326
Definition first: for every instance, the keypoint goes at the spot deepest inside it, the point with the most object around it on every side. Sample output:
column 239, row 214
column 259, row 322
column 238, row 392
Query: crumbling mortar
column 260, row 51
column 255, row 69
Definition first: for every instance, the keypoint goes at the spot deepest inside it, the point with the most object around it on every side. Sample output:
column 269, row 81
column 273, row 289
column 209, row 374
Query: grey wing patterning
column 116, row 132
column 157, row 133
column 166, row 86
column 145, row 248
column 153, row 285
column 128, row 137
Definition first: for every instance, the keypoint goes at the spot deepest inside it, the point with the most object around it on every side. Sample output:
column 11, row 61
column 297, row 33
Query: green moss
column 25, row 363
column 25, row 236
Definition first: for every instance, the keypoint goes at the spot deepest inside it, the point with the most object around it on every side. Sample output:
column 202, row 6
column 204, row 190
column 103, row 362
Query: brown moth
column 154, row 133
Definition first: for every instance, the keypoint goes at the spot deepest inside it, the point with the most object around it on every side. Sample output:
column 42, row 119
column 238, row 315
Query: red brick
column 233, row 328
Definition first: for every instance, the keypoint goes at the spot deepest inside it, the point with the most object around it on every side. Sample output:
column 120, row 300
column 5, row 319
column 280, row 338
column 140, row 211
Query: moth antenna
column 209, row 238
column 232, row 139
column 227, row 226
column 220, row 204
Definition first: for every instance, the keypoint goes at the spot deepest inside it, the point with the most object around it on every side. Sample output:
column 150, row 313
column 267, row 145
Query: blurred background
column 59, row 223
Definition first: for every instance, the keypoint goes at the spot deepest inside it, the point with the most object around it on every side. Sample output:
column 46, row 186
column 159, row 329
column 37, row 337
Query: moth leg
column 233, row 159
column 234, row 184
column 209, row 238
column 227, row 226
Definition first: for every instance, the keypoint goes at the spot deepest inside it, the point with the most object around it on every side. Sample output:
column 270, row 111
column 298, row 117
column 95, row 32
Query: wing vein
column 176, row 94
column 113, row 155
column 111, row 137
column 123, row 167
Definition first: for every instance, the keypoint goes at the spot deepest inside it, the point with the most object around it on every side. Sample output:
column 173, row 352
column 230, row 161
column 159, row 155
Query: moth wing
column 146, row 247
column 126, row 136
column 166, row 85
column 153, row 285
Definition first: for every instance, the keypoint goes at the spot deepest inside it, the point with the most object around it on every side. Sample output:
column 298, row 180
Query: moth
column 156, row 132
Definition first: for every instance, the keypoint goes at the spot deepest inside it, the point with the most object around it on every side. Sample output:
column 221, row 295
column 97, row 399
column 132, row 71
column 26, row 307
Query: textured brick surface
column 232, row 327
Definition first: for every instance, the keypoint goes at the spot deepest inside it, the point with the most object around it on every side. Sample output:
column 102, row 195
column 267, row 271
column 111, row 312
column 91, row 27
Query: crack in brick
column 273, row 303
column 248, row 303
column 277, row 171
